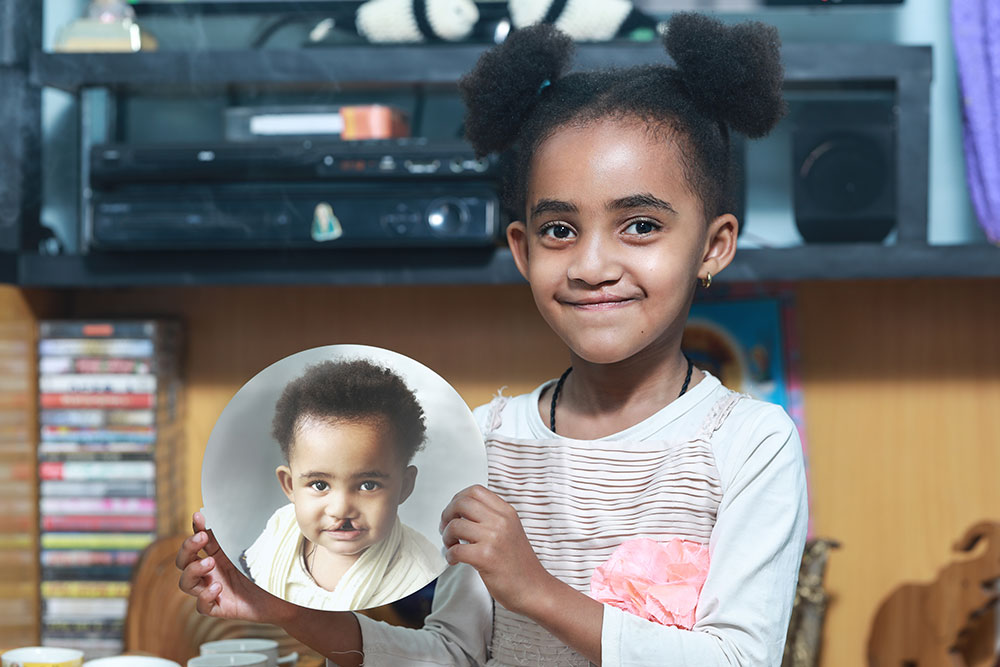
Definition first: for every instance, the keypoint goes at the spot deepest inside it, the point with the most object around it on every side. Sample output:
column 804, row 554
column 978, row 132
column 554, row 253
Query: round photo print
column 325, row 476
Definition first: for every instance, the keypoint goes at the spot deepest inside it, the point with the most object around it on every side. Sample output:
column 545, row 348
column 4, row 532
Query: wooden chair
column 164, row 622
column 947, row 622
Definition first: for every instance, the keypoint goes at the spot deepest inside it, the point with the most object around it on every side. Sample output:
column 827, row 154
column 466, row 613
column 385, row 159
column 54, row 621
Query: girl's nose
column 594, row 261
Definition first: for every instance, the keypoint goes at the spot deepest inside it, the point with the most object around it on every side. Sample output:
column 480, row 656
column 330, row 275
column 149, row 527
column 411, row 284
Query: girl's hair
column 723, row 78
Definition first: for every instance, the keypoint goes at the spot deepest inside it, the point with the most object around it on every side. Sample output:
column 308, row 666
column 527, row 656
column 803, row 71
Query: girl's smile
column 600, row 302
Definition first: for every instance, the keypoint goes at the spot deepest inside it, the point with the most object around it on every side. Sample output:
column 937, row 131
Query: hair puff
column 733, row 73
column 505, row 84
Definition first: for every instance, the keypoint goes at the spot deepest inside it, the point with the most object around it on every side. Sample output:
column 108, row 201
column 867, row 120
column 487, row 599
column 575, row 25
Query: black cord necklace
column 562, row 379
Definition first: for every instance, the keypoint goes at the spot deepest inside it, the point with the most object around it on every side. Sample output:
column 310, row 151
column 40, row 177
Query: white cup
column 268, row 647
column 229, row 660
column 42, row 656
column 131, row 661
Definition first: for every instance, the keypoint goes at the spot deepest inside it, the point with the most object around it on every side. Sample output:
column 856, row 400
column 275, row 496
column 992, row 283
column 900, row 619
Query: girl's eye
column 319, row 485
column 556, row 230
column 642, row 227
column 369, row 485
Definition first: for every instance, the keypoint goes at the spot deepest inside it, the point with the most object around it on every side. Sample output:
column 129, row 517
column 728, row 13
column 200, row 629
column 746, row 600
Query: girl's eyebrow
column 642, row 200
column 552, row 206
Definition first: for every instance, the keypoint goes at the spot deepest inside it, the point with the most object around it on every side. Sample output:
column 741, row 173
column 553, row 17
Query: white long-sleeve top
column 755, row 541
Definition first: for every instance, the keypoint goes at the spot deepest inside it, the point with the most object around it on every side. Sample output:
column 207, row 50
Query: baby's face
column 347, row 481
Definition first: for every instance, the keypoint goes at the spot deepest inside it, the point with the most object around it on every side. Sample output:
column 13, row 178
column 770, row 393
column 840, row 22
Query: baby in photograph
column 348, row 431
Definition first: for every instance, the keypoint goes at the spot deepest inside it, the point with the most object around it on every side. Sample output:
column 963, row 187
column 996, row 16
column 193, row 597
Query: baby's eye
column 642, row 227
column 319, row 485
column 557, row 230
column 369, row 485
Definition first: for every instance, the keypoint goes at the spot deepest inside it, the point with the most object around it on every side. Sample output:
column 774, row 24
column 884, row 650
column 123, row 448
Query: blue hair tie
column 545, row 84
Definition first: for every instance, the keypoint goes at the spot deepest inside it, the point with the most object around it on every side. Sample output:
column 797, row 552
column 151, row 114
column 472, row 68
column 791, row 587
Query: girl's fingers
column 459, row 553
column 192, row 575
column 462, row 530
column 189, row 550
column 208, row 600
column 488, row 498
column 468, row 505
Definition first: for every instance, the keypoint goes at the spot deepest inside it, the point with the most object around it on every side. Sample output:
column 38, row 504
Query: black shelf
column 426, row 64
column 477, row 267
column 905, row 71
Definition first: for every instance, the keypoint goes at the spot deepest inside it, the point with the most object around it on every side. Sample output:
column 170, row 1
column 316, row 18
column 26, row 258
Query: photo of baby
column 325, row 477
column 347, row 431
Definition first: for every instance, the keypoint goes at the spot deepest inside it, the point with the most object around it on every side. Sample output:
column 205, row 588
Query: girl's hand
column 480, row 529
column 221, row 589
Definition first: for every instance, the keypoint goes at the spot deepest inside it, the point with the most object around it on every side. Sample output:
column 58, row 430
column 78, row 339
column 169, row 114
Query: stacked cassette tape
column 109, row 458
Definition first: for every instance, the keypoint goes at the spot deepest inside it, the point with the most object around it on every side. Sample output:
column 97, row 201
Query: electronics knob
column 447, row 216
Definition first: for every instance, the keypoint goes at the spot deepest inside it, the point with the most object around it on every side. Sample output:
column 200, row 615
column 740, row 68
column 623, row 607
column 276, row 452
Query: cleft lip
column 342, row 526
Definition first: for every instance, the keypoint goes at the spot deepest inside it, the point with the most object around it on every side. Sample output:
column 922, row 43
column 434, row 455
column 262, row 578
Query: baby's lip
column 345, row 526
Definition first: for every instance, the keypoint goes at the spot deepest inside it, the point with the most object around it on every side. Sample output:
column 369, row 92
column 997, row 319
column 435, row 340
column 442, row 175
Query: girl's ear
column 720, row 245
column 409, row 481
column 284, row 474
column 517, row 239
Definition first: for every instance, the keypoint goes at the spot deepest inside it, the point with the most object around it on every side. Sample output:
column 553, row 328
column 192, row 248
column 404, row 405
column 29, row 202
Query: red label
column 98, row 330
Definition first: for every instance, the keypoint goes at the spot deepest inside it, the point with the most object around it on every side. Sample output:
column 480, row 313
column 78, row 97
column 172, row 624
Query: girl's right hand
column 222, row 590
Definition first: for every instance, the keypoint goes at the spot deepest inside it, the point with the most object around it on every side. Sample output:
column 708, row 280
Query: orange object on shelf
column 373, row 121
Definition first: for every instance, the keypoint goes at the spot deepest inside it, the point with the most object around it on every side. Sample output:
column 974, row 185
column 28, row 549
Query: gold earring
column 707, row 282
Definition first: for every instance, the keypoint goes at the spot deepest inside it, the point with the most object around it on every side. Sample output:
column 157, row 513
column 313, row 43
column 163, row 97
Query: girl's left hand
column 480, row 529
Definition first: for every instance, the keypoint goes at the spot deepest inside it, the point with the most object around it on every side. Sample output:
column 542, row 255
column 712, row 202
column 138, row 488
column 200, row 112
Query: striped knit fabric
column 579, row 500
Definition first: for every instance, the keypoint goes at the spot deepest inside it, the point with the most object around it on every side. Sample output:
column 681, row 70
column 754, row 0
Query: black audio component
column 845, row 170
column 20, row 161
column 294, row 215
column 20, row 31
column 375, row 160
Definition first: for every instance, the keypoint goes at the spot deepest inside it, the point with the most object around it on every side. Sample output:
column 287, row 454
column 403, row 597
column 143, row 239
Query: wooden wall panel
column 20, row 612
column 902, row 391
column 902, row 399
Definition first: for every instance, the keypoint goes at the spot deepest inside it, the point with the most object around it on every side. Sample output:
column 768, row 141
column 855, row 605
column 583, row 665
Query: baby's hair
column 723, row 78
column 356, row 390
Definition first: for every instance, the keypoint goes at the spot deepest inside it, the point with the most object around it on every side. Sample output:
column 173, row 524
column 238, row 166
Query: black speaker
column 20, row 159
column 844, row 156
column 20, row 31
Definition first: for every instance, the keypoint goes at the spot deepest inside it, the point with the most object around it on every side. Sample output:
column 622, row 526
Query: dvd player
column 294, row 215
column 111, row 165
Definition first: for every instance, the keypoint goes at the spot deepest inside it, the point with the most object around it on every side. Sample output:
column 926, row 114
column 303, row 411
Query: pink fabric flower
column 659, row 582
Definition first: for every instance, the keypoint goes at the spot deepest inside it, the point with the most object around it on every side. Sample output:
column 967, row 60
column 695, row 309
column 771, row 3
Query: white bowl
column 268, row 647
column 42, row 656
column 131, row 661
column 229, row 660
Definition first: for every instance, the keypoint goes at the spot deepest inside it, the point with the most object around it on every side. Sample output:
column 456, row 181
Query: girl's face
column 347, row 481
column 614, row 240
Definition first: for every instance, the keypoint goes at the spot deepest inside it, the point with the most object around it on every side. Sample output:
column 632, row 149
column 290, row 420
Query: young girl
column 633, row 463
